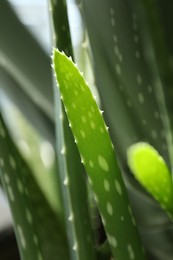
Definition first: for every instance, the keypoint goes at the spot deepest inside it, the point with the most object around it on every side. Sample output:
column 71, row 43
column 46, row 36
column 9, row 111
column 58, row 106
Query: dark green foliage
column 131, row 91
column 25, row 72
column 34, row 221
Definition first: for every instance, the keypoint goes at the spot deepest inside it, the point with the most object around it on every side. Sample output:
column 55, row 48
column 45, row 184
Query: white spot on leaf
column 12, row 162
column 101, row 129
column 96, row 198
column 75, row 246
column 84, row 119
column 106, row 185
column 66, row 181
column 28, row 216
column 140, row 98
column 21, row 237
column 113, row 21
column 118, row 187
column 39, row 256
column 93, row 126
column 112, row 241
column 1, row 162
column 91, row 164
column 35, row 239
column 10, row 193
column 24, row 147
column 118, row 69
column 6, row 178
column 130, row 252
column 109, row 208
column 63, row 150
column 20, row 186
column 70, row 218
column 103, row 163
column 122, row 218
column 47, row 154
column 137, row 54
column 82, row 134
column 139, row 79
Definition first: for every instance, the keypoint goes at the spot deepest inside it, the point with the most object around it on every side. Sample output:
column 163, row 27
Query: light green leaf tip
column 98, row 156
column 150, row 169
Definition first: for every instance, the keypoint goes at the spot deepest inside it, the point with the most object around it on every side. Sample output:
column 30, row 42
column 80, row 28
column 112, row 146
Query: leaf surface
column 151, row 171
column 71, row 172
column 97, row 154
column 40, row 234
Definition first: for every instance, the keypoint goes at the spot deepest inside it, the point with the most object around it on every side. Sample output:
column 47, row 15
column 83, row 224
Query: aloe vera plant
column 124, row 172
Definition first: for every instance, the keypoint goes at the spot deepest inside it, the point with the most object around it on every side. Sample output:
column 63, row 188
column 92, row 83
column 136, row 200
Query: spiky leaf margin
column 97, row 153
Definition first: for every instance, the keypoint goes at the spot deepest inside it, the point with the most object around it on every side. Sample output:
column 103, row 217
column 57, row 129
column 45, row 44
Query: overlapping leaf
column 151, row 171
column 39, row 232
column 97, row 153
column 71, row 172
column 127, row 83
column 25, row 72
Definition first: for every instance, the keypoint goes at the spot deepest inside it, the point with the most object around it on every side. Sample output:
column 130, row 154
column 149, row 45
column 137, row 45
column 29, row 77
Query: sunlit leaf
column 151, row 171
column 97, row 153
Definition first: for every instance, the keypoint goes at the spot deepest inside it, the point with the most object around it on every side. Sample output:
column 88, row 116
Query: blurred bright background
column 34, row 14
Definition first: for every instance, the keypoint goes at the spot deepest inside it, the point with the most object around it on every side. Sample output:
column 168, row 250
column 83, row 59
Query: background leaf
column 127, row 86
column 34, row 220
column 26, row 72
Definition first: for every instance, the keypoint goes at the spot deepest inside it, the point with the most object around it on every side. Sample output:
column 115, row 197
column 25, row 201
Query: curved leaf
column 25, row 60
column 72, row 179
column 39, row 232
column 152, row 172
column 128, row 83
column 97, row 153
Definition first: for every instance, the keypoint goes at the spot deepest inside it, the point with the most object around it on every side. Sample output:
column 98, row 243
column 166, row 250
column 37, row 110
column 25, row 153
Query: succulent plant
column 123, row 173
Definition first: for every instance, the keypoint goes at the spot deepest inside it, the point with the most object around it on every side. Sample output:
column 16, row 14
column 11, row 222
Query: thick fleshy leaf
column 24, row 59
column 11, row 90
column 160, row 20
column 151, row 171
column 97, row 153
column 129, row 85
column 25, row 73
column 71, row 172
column 40, row 234
column 61, row 32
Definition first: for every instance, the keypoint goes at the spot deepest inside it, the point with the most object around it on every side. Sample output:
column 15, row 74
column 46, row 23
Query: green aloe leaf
column 30, row 110
column 97, row 153
column 25, row 60
column 159, row 18
column 151, row 171
column 121, row 64
column 71, row 172
column 25, row 73
column 40, row 234
column 129, row 86
column 61, row 32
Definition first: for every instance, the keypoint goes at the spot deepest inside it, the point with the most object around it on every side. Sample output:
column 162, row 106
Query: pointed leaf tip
column 150, row 169
column 96, row 150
